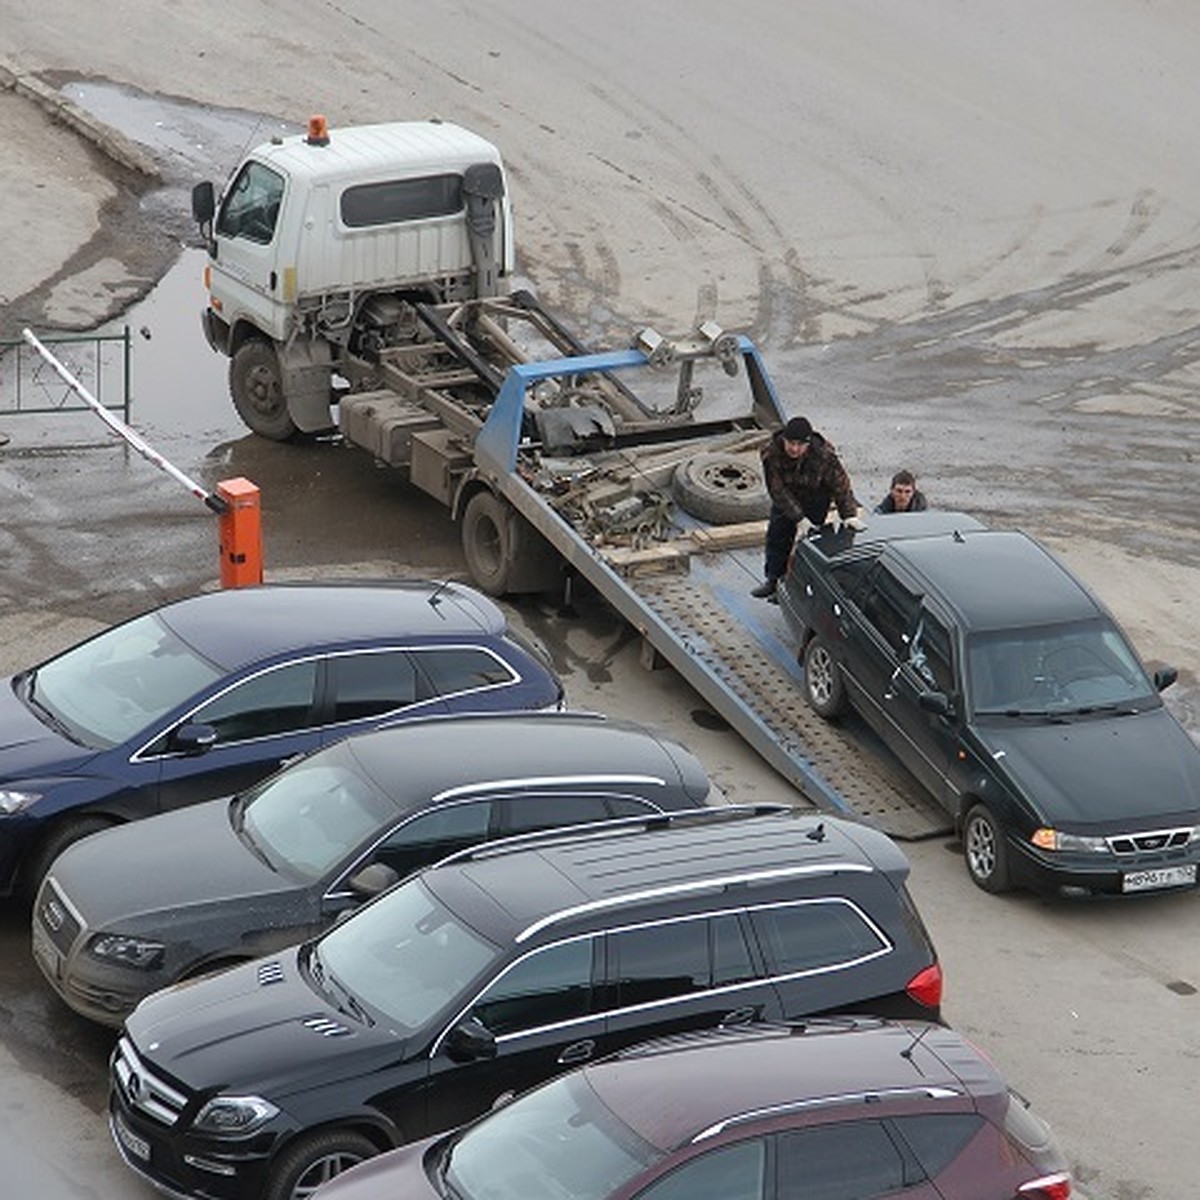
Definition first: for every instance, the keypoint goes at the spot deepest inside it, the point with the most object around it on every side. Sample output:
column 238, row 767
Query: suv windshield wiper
column 39, row 706
column 350, row 1002
column 443, row 1175
column 332, row 987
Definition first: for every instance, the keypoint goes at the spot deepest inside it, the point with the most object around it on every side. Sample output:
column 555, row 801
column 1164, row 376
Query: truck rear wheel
column 256, row 385
column 504, row 553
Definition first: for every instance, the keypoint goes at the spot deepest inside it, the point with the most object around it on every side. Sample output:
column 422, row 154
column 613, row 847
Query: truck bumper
column 215, row 331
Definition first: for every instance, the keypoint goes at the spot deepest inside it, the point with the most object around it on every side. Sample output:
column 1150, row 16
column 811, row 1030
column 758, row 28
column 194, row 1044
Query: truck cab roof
column 363, row 152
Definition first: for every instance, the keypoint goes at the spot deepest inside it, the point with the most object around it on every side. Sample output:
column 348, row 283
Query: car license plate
column 137, row 1146
column 1158, row 877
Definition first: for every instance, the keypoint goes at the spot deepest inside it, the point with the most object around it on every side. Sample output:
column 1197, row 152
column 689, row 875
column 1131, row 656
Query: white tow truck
column 359, row 279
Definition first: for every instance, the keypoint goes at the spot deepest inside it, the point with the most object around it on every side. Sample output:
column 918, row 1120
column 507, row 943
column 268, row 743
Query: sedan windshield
column 405, row 955
column 316, row 814
column 1078, row 667
column 557, row 1143
column 111, row 688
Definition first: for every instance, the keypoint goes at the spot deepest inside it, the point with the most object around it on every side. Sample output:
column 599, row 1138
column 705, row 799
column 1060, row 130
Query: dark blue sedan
column 203, row 697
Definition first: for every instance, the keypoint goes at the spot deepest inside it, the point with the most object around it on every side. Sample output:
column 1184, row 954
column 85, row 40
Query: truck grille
column 140, row 1088
column 57, row 918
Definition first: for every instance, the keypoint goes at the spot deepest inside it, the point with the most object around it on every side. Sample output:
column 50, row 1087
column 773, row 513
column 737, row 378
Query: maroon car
column 829, row 1109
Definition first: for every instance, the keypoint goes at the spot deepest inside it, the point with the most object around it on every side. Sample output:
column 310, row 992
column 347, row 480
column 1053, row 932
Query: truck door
column 246, row 276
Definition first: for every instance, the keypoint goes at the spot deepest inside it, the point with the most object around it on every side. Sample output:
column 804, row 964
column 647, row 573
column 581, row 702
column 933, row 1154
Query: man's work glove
column 855, row 522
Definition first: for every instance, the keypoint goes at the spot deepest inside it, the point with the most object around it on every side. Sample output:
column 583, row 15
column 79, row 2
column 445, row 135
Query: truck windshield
column 250, row 207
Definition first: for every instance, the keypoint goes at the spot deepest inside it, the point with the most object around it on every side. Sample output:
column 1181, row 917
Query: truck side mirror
column 204, row 202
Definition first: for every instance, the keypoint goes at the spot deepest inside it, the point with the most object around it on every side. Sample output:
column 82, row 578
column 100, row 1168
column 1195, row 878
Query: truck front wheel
column 256, row 385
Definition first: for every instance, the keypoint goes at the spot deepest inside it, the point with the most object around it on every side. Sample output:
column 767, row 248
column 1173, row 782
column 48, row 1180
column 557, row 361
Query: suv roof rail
column 616, row 825
column 920, row 1091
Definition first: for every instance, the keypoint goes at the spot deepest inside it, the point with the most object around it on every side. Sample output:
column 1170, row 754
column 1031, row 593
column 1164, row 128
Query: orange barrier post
column 241, row 533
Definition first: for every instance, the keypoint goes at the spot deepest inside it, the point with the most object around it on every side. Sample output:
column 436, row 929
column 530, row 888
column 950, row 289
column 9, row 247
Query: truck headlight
column 13, row 801
column 232, row 1116
column 1055, row 839
column 128, row 951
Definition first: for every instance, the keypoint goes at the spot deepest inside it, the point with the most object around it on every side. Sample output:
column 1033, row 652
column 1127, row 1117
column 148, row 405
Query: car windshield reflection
column 107, row 690
column 558, row 1142
column 1053, row 670
column 312, row 816
column 405, row 956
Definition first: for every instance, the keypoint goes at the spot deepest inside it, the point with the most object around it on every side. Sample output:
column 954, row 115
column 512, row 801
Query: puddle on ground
column 191, row 141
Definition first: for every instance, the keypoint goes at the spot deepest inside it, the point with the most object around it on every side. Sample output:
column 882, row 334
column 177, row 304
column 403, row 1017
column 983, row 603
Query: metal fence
column 28, row 384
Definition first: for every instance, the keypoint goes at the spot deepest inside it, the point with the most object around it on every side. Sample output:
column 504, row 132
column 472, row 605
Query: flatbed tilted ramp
column 737, row 652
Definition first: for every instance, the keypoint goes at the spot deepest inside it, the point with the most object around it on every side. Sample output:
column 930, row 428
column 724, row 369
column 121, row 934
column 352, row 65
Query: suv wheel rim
column 322, row 1171
column 981, row 849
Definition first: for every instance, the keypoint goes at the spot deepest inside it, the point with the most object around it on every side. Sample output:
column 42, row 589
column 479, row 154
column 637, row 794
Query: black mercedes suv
column 503, row 967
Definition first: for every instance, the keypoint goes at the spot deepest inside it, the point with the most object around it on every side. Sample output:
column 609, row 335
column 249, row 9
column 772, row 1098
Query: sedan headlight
column 13, row 801
column 232, row 1116
column 1055, row 839
column 128, row 951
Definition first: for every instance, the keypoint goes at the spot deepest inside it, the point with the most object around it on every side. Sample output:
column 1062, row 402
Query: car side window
column 660, row 961
column 371, row 684
column 657, row 962
column 892, row 609
column 814, row 935
column 851, row 576
column 524, row 814
column 433, row 835
column 628, row 806
column 547, row 986
column 274, row 702
column 736, row 1172
column 453, row 670
column 850, row 1160
column 929, row 653
column 937, row 1139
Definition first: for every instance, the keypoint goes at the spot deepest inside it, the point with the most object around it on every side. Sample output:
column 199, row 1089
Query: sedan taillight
column 1049, row 1187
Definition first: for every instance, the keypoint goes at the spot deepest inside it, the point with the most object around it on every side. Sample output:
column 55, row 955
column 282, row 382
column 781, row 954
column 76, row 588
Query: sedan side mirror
column 937, row 703
column 1164, row 677
column 470, row 1041
column 372, row 880
column 194, row 738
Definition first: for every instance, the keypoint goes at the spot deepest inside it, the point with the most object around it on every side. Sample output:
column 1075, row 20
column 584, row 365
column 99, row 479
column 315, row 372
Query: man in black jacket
column 804, row 477
column 903, row 495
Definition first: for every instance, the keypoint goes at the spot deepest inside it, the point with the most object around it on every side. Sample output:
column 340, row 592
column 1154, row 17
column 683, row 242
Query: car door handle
column 740, row 1016
column 577, row 1052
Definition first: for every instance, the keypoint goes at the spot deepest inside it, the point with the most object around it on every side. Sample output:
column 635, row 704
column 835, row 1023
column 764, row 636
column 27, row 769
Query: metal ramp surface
column 739, row 654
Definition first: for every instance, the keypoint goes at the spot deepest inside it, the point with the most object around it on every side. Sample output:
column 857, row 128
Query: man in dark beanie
column 804, row 477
